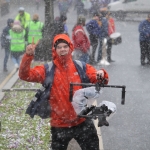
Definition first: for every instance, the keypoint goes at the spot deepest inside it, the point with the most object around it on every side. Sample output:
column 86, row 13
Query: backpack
column 40, row 104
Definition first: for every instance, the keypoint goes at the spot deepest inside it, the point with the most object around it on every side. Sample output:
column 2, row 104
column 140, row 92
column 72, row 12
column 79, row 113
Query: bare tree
column 44, row 48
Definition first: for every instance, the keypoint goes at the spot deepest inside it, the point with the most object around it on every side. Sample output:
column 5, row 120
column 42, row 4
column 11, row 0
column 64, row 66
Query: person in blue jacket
column 144, row 37
column 94, row 31
column 103, row 23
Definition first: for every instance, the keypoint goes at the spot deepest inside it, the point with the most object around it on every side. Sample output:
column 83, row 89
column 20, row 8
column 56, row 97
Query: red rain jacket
column 111, row 26
column 62, row 114
column 80, row 39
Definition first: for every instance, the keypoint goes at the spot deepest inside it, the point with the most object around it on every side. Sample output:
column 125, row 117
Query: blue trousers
column 7, row 52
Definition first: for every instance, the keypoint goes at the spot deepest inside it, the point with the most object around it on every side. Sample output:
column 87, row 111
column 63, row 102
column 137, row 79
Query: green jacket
column 23, row 19
column 17, row 43
column 35, row 29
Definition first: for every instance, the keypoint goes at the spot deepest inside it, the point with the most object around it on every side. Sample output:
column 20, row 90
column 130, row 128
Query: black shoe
column 92, row 62
column 111, row 61
column 148, row 63
column 5, row 70
column 143, row 64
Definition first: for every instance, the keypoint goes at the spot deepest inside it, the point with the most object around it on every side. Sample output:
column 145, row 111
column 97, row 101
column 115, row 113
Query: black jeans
column 94, row 44
column 85, row 134
column 100, row 50
column 145, row 51
column 109, row 47
column 7, row 53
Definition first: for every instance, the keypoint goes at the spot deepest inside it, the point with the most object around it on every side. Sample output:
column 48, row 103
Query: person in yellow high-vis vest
column 17, row 42
column 23, row 17
column 35, row 29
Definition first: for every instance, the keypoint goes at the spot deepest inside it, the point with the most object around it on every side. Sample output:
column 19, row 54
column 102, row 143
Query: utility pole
column 44, row 48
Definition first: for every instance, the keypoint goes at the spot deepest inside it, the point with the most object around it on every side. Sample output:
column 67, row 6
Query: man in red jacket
column 80, row 41
column 65, row 123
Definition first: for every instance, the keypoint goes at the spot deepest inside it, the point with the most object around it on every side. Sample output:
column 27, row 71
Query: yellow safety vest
column 24, row 20
column 35, row 30
column 17, row 43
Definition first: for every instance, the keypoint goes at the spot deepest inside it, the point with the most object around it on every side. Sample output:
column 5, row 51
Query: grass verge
column 18, row 130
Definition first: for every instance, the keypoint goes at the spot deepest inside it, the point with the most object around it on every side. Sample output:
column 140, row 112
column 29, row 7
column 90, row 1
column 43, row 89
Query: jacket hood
column 55, row 55
column 17, row 28
column 77, row 27
column 9, row 21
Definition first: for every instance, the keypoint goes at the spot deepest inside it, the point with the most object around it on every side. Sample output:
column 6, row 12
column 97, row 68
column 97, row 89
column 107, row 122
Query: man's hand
column 100, row 73
column 31, row 47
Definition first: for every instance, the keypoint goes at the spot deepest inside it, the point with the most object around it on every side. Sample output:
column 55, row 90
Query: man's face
column 21, row 12
column 11, row 24
column 96, row 18
column 83, row 23
column 64, row 22
column 62, row 49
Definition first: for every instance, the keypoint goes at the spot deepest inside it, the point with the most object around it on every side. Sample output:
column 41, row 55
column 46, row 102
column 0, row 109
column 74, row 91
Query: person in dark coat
column 103, row 23
column 79, row 6
column 5, row 42
column 63, row 6
column 60, row 25
column 144, row 30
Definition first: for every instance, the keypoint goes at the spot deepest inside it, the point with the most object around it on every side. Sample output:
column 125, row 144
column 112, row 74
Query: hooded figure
column 5, row 42
column 5, row 39
column 80, row 40
column 65, row 123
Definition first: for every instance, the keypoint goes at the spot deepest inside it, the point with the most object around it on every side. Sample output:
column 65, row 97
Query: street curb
column 8, row 82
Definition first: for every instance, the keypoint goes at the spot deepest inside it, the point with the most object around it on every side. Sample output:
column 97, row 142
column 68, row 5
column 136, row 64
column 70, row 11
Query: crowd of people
column 20, row 31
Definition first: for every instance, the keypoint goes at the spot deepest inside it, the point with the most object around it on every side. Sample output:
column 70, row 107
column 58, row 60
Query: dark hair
column 62, row 18
column 60, row 41
column 95, row 14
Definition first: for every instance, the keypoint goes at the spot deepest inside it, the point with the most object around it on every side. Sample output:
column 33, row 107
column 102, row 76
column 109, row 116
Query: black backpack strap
column 81, row 68
column 49, row 69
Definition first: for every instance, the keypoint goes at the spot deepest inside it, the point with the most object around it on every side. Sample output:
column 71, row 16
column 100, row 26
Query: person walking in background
column 111, row 29
column 63, row 20
column 5, row 42
column 58, row 26
column 35, row 29
column 79, row 6
column 17, row 44
column 63, row 6
column 80, row 41
column 37, row 3
column 144, row 30
column 102, row 50
column 65, row 124
column 94, row 31
column 23, row 17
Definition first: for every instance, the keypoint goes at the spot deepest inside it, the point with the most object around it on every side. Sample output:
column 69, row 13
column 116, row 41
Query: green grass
column 18, row 130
